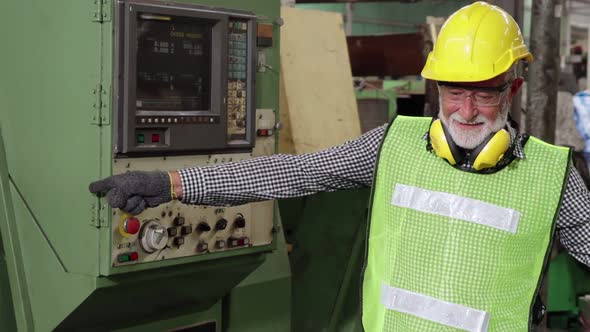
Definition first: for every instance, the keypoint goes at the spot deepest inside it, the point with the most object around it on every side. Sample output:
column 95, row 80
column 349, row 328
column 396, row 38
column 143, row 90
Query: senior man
column 464, row 207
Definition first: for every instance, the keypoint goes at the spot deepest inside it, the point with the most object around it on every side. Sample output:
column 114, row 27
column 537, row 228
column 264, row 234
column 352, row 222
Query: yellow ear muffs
column 443, row 147
column 485, row 155
column 491, row 151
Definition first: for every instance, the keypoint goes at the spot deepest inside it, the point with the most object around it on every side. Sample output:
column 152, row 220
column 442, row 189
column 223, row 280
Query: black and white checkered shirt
column 349, row 166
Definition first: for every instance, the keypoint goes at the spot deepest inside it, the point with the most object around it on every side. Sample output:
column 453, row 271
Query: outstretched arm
column 346, row 166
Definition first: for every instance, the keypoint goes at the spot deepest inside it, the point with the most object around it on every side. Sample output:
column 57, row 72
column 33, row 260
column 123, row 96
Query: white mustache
column 478, row 119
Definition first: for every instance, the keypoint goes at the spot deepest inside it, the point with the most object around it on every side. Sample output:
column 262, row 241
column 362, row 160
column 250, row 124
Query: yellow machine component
column 493, row 151
column 478, row 42
column 439, row 142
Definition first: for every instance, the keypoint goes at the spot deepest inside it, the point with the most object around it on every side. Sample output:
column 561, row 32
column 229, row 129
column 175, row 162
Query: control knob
column 203, row 227
column 153, row 236
column 240, row 222
column 221, row 224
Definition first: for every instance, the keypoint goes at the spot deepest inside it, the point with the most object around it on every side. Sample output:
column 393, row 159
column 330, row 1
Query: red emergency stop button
column 131, row 225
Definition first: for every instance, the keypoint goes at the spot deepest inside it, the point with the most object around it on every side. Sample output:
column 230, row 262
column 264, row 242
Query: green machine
column 567, row 293
column 92, row 88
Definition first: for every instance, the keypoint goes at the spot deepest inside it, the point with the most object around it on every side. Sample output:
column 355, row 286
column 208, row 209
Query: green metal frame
column 568, row 279
column 57, row 133
column 16, row 308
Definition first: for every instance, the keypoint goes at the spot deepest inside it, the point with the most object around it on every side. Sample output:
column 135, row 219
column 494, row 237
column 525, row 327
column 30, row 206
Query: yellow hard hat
column 476, row 43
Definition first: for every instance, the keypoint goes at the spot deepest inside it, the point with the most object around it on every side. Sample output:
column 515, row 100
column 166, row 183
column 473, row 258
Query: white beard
column 471, row 138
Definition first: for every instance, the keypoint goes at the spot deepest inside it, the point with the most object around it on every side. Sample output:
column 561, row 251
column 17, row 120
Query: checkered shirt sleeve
column 573, row 225
column 346, row 166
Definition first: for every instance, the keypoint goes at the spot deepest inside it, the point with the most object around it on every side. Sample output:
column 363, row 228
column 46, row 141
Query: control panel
column 185, row 97
column 177, row 230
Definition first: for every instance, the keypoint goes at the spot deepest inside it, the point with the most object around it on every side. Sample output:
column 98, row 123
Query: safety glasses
column 480, row 96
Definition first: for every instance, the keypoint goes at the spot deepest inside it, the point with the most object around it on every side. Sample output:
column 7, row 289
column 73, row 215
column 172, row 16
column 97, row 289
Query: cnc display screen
column 173, row 63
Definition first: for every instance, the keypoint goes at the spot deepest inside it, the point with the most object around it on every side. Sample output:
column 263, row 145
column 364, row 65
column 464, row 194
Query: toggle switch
column 179, row 221
column 172, row 231
column 178, row 241
column 185, row 230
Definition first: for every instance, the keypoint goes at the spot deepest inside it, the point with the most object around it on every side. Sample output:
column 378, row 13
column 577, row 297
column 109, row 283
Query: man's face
column 471, row 113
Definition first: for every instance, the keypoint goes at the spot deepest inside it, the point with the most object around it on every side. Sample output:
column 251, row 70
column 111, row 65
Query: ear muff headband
column 485, row 155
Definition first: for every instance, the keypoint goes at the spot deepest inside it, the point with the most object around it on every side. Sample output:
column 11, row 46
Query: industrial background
column 76, row 87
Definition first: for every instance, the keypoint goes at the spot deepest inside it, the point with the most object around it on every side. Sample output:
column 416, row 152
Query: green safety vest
column 450, row 250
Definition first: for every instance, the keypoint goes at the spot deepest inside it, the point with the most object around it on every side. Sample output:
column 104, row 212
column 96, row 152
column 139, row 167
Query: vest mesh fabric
column 455, row 260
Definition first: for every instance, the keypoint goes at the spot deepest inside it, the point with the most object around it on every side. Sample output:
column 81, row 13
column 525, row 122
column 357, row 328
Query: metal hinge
column 97, row 219
column 102, row 10
column 100, row 114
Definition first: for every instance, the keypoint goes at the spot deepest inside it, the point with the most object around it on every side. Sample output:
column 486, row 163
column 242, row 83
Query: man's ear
column 516, row 84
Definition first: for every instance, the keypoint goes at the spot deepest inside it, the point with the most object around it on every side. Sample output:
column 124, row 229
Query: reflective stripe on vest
column 442, row 312
column 455, row 206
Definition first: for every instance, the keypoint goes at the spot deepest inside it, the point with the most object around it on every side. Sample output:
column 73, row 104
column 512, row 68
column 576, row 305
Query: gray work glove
column 134, row 191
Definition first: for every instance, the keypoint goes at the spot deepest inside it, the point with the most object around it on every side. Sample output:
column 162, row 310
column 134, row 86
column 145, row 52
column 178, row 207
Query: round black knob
column 221, row 224
column 203, row 227
column 240, row 222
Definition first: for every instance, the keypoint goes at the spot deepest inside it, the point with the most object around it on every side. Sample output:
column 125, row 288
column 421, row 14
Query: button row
column 243, row 241
column 236, row 85
column 238, row 25
column 178, row 120
column 236, row 93
column 237, row 45
column 236, row 101
column 237, row 74
column 264, row 132
column 240, row 37
column 127, row 257
column 184, row 230
column 237, row 67
column 141, row 138
column 237, row 52
column 237, row 60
